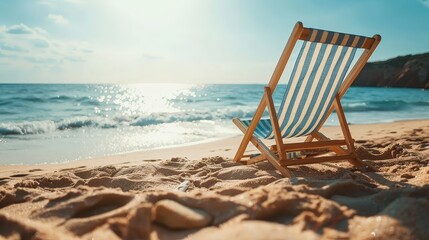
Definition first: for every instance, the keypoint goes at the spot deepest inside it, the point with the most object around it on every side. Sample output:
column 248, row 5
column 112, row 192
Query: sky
column 185, row 41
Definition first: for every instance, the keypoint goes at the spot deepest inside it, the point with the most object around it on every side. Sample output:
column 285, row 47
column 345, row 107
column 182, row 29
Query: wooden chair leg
column 256, row 159
column 275, row 124
column 346, row 133
column 309, row 138
column 275, row 77
column 271, row 157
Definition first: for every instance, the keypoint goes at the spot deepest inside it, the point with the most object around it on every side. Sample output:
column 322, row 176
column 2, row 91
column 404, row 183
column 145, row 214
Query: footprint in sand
column 151, row 160
column 424, row 145
column 4, row 180
column 109, row 203
column 19, row 175
column 35, row 170
column 415, row 168
column 407, row 176
column 68, row 169
column 226, row 150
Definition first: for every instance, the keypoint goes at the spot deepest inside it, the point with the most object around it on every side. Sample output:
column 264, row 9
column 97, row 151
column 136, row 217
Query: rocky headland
column 411, row 71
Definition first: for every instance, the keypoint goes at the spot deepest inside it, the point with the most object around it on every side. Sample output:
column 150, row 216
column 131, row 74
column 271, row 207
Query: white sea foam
column 24, row 128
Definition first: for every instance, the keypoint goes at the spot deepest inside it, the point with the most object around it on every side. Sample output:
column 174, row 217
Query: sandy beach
column 198, row 192
column 125, row 120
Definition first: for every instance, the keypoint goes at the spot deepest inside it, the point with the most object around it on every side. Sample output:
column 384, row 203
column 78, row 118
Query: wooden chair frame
column 277, row 154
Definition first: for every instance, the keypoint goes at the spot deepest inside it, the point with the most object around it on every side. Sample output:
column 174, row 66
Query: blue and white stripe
column 315, row 80
column 335, row 38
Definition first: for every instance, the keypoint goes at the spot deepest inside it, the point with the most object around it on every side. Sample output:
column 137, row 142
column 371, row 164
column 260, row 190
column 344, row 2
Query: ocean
column 53, row 123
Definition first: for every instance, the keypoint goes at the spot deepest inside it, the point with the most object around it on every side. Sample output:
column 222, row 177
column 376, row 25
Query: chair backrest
column 317, row 76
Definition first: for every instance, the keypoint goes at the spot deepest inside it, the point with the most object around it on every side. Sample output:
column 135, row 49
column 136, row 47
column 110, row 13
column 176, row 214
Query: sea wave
column 392, row 105
column 191, row 115
column 154, row 119
column 61, row 98
column 40, row 99
column 30, row 99
column 39, row 127
column 26, row 128
column 86, row 122
column 5, row 102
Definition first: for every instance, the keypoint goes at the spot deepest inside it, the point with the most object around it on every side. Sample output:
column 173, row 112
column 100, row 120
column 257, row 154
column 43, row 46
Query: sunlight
column 138, row 99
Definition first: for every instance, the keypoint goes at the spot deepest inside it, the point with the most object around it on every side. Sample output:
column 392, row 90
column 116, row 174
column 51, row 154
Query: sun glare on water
column 146, row 99
column 148, row 107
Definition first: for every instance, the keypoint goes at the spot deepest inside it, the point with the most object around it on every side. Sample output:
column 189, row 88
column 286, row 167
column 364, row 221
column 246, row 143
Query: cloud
column 86, row 50
column 54, row 3
column 74, row 1
column 58, row 19
column 19, row 29
column 40, row 43
column 49, row 3
column 34, row 47
column 43, row 60
column 2, row 55
column 425, row 3
column 149, row 56
column 11, row 47
column 74, row 59
column 20, row 35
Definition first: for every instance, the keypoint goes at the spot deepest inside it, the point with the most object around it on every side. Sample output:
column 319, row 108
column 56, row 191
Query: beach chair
column 320, row 77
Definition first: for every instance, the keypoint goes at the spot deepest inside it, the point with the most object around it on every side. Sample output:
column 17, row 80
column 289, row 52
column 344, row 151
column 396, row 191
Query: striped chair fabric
column 317, row 75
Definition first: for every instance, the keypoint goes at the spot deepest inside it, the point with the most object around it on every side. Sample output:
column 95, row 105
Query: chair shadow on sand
column 378, row 202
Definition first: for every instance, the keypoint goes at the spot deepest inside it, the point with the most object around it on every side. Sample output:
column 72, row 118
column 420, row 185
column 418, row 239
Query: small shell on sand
column 183, row 186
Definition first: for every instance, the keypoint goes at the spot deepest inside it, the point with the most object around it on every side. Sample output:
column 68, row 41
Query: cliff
column 405, row 71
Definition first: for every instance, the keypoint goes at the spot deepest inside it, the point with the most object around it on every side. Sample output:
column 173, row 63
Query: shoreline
column 224, row 147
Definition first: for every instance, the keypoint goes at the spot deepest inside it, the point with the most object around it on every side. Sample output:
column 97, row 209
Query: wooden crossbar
column 275, row 123
column 256, row 159
column 292, row 147
column 271, row 157
column 312, row 160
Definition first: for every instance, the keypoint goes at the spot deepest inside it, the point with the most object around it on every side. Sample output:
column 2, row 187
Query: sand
column 198, row 192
